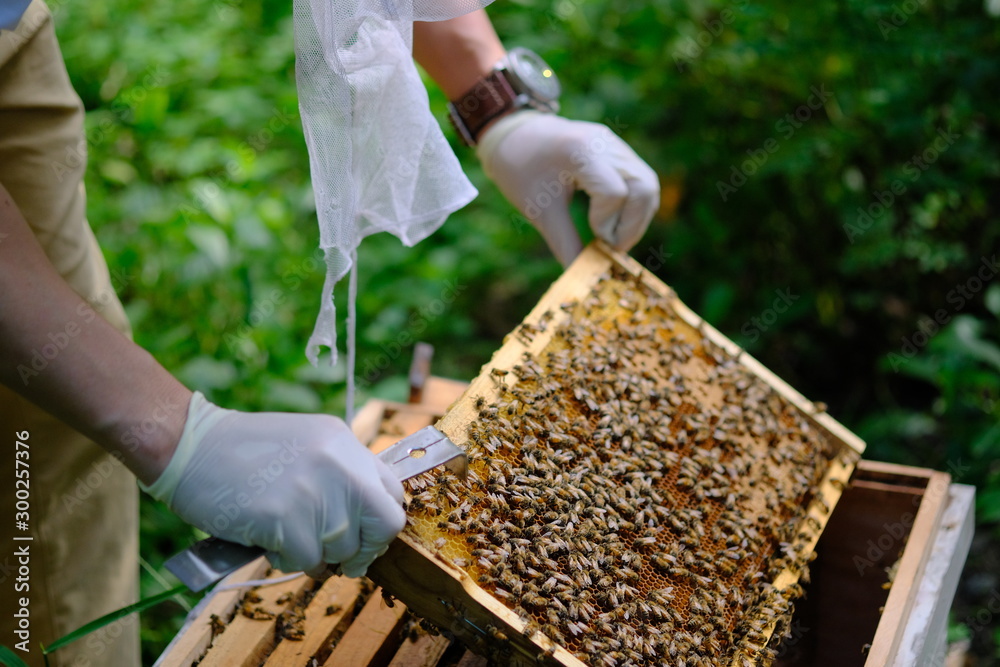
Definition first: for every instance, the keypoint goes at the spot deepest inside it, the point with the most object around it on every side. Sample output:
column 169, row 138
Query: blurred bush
column 830, row 185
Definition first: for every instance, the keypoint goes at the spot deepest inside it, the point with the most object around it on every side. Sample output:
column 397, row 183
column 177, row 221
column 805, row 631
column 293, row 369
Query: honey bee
column 498, row 375
column 217, row 625
column 496, row 634
column 726, row 568
column 645, row 541
column 552, row 631
column 526, row 332
column 691, row 541
column 795, row 590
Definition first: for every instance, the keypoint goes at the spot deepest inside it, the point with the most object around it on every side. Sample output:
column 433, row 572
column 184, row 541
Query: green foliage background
column 199, row 192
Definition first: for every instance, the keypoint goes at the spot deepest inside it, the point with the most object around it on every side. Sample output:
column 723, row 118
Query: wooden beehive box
column 434, row 567
column 347, row 624
column 888, row 567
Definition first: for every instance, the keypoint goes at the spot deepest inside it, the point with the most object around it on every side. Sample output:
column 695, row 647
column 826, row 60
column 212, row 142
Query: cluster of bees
column 290, row 623
column 290, row 611
column 633, row 490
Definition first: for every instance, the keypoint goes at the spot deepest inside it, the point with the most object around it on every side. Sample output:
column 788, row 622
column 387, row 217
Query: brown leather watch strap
column 490, row 97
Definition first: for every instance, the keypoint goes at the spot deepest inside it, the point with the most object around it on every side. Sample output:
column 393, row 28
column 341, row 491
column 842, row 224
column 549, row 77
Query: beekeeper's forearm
column 56, row 351
column 458, row 52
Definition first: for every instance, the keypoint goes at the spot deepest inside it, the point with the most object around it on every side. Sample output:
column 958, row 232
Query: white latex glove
column 538, row 160
column 300, row 486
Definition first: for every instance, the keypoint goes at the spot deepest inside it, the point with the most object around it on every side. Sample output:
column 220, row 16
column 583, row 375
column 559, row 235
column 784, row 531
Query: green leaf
column 394, row 388
column 284, row 395
column 717, row 302
column 957, row 631
column 992, row 299
column 987, row 446
column 151, row 107
column 212, row 241
column 968, row 331
column 9, row 658
column 204, row 372
column 322, row 372
column 988, row 505
column 107, row 619
column 119, row 172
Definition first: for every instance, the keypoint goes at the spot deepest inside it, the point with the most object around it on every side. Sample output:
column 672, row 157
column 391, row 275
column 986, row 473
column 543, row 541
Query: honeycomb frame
column 496, row 629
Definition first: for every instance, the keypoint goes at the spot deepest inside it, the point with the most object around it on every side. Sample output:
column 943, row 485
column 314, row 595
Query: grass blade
column 111, row 618
column 9, row 658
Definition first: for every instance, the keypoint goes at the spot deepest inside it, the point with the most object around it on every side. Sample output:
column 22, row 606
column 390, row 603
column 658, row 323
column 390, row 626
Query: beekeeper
column 72, row 377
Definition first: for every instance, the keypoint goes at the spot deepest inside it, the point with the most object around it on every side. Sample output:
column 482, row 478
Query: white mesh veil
column 379, row 160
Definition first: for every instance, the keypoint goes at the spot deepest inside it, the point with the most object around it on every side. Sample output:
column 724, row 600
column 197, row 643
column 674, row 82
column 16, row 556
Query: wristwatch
column 521, row 79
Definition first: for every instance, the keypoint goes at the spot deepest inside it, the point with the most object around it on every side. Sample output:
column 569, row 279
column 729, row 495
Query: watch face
column 534, row 73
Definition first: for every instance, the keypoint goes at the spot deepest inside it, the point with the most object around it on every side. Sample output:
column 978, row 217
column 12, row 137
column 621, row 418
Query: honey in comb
column 633, row 490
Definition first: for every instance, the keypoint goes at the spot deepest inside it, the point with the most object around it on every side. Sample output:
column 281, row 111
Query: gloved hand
column 539, row 159
column 300, row 486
